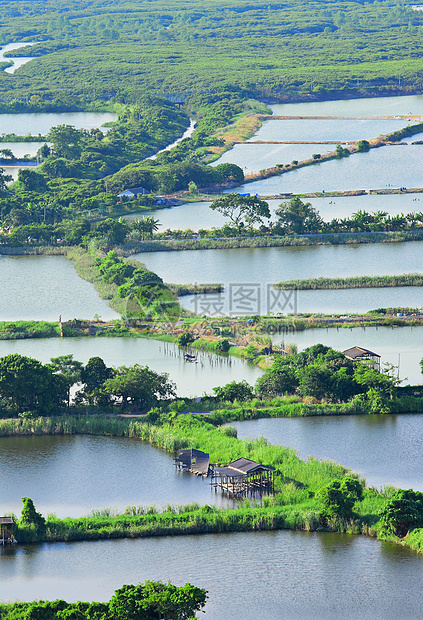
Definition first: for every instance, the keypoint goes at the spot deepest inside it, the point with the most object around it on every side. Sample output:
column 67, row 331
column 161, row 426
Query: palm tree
column 151, row 224
column 145, row 225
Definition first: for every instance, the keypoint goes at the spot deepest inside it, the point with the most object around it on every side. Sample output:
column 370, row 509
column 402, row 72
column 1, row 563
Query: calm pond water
column 270, row 265
column 259, row 268
column 234, row 301
column 44, row 287
column 72, row 475
column 292, row 575
column 375, row 106
column 395, row 345
column 196, row 215
column 41, row 122
column 389, row 166
column 326, row 129
column 191, row 379
column 19, row 149
column 386, row 450
column 17, row 62
column 255, row 157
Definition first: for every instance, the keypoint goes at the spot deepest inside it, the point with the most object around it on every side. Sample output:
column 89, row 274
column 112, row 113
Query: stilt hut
column 363, row 355
column 193, row 460
column 6, row 529
column 243, row 477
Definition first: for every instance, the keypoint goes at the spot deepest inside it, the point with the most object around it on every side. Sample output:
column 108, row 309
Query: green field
column 123, row 49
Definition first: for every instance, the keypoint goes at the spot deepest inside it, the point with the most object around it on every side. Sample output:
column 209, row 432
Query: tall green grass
column 409, row 279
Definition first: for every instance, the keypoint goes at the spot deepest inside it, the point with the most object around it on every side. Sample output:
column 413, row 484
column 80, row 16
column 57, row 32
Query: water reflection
column 374, row 446
column 191, row 379
column 285, row 574
column 44, row 287
column 71, row 475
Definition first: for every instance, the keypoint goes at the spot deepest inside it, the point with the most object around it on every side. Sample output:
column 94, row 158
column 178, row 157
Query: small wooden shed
column 363, row 355
column 243, row 476
column 6, row 529
column 193, row 460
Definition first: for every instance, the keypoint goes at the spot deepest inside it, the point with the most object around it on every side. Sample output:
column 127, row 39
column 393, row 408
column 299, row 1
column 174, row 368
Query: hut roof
column 242, row 467
column 6, row 520
column 195, row 460
column 357, row 352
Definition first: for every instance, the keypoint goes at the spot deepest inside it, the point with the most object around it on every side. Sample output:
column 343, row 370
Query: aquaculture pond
column 72, row 475
column 389, row 166
column 191, row 378
column 197, row 215
column 44, row 288
column 285, row 574
column 364, row 107
column 257, row 269
column 386, row 449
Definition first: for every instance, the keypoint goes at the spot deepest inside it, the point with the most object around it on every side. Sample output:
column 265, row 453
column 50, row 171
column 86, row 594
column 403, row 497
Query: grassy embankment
column 294, row 505
column 409, row 279
column 269, row 241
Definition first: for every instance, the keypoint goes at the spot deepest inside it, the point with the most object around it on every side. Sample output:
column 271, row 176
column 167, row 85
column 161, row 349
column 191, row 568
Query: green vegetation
column 152, row 600
column 311, row 495
column 18, row 330
column 29, row 388
column 88, row 55
column 408, row 279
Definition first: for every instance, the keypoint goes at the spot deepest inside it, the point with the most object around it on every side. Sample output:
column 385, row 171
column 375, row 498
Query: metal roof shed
column 363, row 355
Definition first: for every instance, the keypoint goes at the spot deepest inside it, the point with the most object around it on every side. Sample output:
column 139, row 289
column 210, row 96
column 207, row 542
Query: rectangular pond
column 386, row 449
column 73, row 474
column 385, row 167
column 192, row 379
column 45, row 287
column 285, row 574
column 371, row 106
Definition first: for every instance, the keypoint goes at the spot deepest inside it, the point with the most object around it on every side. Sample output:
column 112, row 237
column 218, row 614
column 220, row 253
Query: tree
column 297, row 217
column 363, row 146
column 230, row 172
column 234, row 391
column 242, row 210
column 4, row 180
column 68, row 368
column 93, row 375
column 31, row 519
column 145, row 226
column 114, row 231
column 338, row 498
column 316, row 381
column 155, row 600
column 185, row 339
column 278, row 380
column 31, row 181
column 28, row 385
column 139, row 386
column 403, row 512
column 66, row 141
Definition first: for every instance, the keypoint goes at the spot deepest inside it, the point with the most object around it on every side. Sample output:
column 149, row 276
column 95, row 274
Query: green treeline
column 29, row 388
column 151, row 600
column 82, row 172
column 318, row 374
column 408, row 279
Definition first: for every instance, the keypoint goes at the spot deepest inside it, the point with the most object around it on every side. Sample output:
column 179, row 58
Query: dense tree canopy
column 151, row 600
column 242, row 210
